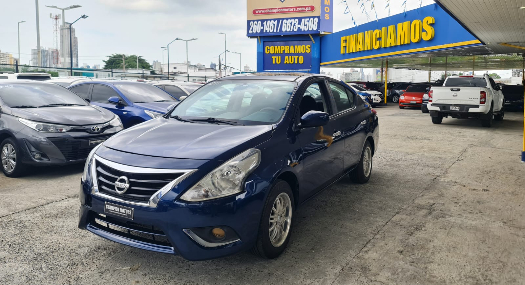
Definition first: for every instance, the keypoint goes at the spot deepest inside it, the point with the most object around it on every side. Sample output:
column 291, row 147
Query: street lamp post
column 168, row 48
column 225, row 49
column 138, row 62
column 71, row 43
column 187, row 60
column 19, row 40
column 162, row 68
column 240, row 60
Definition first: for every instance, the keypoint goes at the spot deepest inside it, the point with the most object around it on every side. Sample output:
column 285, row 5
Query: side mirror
column 115, row 100
column 314, row 119
column 182, row 98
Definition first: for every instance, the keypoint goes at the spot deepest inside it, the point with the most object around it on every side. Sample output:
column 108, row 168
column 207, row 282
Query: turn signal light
column 482, row 97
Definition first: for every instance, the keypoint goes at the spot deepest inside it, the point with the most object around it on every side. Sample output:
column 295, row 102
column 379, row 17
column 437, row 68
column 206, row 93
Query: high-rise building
column 44, row 58
column 7, row 58
column 64, row 46
column 157, row 66
column 53, row 57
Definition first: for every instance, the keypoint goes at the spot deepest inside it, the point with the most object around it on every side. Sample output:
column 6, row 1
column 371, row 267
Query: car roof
column 18, row 81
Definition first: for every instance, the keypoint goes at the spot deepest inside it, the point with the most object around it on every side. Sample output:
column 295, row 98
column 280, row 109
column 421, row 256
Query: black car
column 395, row 90
column 513, row 96
column 45, row 124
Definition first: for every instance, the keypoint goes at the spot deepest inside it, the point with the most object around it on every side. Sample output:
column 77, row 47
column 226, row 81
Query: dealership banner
column 289, row 55
column 289, row 17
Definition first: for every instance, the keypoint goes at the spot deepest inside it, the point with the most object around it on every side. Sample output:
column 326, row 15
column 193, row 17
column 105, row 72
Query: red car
column 413, row 96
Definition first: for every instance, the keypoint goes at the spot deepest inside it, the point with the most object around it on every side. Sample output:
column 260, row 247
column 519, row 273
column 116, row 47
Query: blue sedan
column 133, row 102
column 226, row 169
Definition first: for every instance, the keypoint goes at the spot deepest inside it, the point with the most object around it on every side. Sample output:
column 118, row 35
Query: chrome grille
column 142, row 186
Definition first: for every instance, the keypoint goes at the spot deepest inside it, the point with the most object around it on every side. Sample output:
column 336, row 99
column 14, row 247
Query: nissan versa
column 45, row 124
column 226, row 169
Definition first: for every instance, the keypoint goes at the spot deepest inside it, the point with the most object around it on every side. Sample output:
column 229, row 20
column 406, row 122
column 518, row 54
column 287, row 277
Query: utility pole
column 19, row 40
column 168, row 48
column 38, row 34
column 187, row 60
column 124, row 63
column 225, row 57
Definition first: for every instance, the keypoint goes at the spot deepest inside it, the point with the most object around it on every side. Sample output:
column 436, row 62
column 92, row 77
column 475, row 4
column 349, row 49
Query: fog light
column 218, row 233
column 37, row 156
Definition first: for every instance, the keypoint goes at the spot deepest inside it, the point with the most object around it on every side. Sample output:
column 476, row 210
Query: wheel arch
column 290, row 178
column 4, row 135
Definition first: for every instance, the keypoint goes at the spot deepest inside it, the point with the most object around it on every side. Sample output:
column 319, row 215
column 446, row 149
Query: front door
column 101, row 94
column 320, row 152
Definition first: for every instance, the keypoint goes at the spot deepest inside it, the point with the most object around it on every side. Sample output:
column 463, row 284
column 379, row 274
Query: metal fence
column 101, row 73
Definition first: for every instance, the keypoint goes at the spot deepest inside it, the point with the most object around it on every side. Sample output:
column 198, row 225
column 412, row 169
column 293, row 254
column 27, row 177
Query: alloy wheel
column 280, row 219
column 367, row 161
column 8, row 157
column 395, row 99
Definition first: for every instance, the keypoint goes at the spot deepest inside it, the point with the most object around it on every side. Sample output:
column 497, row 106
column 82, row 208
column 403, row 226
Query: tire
column 395, row 98
column 486, row 120
column 425, row 110
column 361, row 174
column 10, row 161
column 437, row 120
column 500, row 116
column 266, row 246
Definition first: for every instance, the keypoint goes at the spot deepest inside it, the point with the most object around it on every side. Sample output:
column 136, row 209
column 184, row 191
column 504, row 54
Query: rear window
column 417, row 88
column 34, row 77
column 466, row 82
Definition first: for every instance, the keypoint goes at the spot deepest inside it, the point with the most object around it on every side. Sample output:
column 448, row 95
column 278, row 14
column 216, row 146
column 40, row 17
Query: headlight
column 225, row 180
column 44, row 127
column 402, row 97
column 153, row 114
column 88, row 162
column 116, row 122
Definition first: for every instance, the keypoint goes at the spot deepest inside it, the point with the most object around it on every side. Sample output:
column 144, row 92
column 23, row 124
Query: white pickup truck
column 466, row 97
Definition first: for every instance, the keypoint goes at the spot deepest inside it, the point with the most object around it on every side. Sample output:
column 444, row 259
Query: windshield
column 36, row 95
column 417, row 88
column 144, row 93
column 466, row 82
column 358, row 88
column 241, row 101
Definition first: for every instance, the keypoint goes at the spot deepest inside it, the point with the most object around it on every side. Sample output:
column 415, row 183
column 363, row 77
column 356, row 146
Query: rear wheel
column 276, row 222
column 10, row 158
column 361, row 174
column 437, row 120
column 499, row 116
column 486, row 120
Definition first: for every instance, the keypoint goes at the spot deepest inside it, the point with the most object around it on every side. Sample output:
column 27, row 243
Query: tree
column 115, row 62
column 495, row 76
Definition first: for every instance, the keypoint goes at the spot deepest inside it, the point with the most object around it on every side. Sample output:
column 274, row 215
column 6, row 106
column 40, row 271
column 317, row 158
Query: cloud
column 136, row 5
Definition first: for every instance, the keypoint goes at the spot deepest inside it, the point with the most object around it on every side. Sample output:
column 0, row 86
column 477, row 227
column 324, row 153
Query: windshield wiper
column 23, row 106
column 60, row 105
column 215, row 121
column 164, row 101
column 181, row 119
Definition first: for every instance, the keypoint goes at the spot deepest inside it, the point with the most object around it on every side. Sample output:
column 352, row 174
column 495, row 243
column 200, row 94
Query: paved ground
column 445, row 205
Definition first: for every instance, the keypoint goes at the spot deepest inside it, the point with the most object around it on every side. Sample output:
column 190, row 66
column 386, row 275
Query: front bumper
column 58, row 148
column 410, row 103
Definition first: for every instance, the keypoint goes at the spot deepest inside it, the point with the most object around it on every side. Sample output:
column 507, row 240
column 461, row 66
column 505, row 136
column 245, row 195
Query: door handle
column 337, row 134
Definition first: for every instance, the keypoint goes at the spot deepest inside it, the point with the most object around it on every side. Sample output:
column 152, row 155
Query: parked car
column 513, row 96
column 209, row 182
column 395, row 90
column 372, row 86
column 178, row 89
column 133, row 102
column 25, row 76
column 466, row 97
column 413, row 96
column 43, row 124
column 375, row 98
column 68, row 81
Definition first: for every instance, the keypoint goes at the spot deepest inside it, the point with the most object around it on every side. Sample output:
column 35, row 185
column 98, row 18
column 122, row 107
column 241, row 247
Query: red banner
column 284, row 10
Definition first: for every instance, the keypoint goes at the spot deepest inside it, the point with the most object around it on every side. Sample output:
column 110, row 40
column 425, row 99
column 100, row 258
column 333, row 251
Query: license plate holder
column 454, row 108
column 413, row 102
column 118, row 211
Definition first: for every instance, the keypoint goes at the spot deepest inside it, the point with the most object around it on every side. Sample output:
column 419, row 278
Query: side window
column 175, row 91
column 341, row 98
column 82, row 91
column 313, row 100
column 102, row 93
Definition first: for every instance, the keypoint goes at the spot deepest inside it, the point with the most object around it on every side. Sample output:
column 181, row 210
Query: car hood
column 161, row 107
column 374, row 92
column 174, row 139
column 71, row 116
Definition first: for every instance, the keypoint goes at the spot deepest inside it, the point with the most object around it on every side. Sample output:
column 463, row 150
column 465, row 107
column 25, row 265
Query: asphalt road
column 445, row 205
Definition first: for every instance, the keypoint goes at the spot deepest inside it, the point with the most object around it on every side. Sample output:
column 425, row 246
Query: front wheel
column 276, row 222
column 10, row 158
column 361, row 174
column 395, row 99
